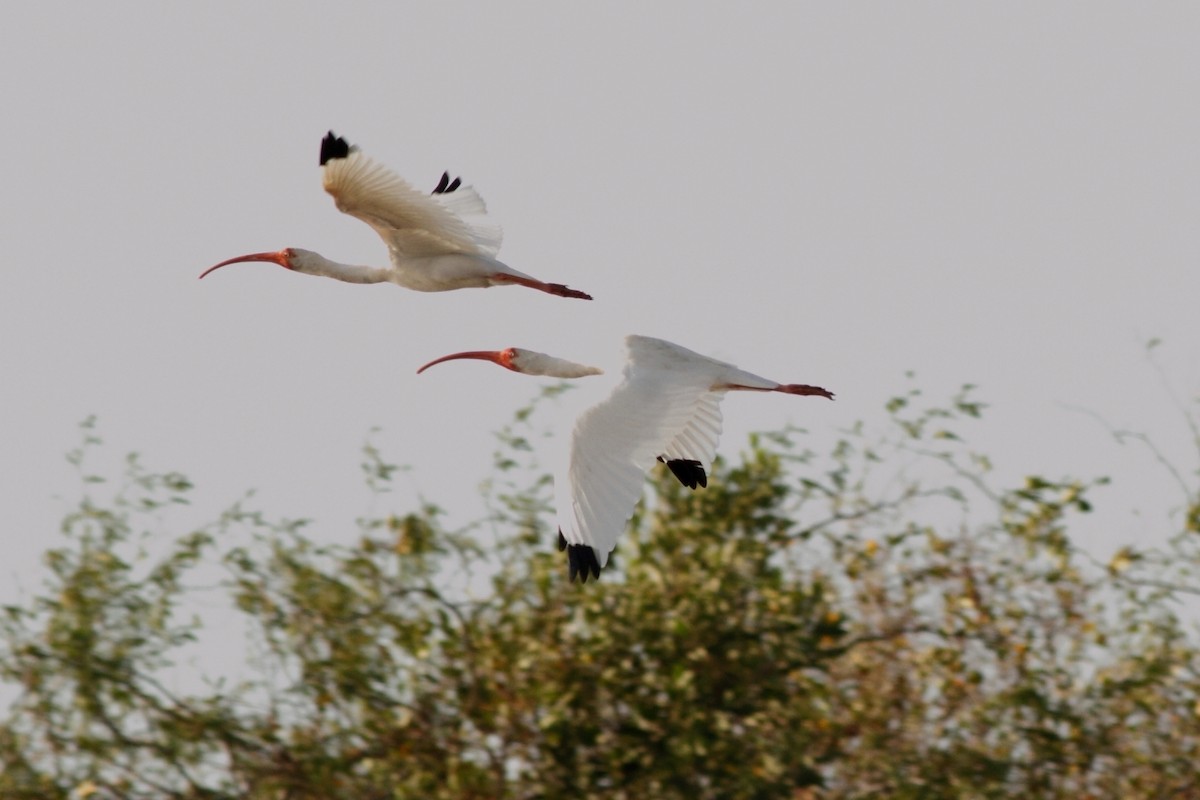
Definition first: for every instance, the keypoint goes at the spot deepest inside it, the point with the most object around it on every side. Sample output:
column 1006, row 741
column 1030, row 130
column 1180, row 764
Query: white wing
column 699, row 438
column 664, row 406
column 411, row 222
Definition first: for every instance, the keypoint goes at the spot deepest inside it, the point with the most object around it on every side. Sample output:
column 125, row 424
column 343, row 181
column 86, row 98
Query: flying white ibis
column 666, row 408
column 437, row 242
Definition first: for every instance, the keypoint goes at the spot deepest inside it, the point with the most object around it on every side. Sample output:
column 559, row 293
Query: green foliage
column 877, row 621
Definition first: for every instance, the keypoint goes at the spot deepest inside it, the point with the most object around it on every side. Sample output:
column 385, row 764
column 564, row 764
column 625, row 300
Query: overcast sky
column 1004, row 194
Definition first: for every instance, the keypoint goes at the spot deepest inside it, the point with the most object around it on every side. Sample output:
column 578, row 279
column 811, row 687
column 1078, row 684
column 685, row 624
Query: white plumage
column 412, row 223
column 436, row 242
column 665, row 408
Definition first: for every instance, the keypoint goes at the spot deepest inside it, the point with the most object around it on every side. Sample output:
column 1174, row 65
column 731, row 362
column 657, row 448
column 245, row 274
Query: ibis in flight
column 437, row 242
column 666, row 408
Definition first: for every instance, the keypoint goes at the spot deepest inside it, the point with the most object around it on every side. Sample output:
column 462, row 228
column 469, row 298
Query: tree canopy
column 876, row 621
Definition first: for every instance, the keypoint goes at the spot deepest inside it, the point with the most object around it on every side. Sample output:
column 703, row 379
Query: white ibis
column 437, row 242
column 666, row 408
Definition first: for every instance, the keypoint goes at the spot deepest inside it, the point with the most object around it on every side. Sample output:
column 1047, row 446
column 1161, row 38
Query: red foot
column 550, row 288
column 804, row 389
column 566, row 291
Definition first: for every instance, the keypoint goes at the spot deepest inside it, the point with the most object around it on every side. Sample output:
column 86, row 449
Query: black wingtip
column 333, row 147
column 689, row 471
column 445, row 185
column 582, row 563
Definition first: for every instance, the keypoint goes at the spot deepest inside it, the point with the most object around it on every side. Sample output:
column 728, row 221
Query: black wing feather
column 581, row 560
column 445, row 185
column 689, row 471
column 333, row 147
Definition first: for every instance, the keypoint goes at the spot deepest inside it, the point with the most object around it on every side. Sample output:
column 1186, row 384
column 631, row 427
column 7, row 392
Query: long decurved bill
column 495, row 356
column 279, row 258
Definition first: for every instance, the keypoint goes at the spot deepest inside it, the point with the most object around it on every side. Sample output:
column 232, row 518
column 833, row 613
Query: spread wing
column 411, row 222
column 665, row 406
column 699, row 438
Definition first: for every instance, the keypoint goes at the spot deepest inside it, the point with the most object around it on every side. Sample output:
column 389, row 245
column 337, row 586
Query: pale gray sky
column 1005, row 194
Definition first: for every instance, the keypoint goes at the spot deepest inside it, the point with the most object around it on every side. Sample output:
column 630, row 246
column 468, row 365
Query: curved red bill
column 501, row 357
column 279, row 257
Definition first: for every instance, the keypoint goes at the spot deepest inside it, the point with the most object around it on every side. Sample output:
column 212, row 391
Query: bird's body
column 665, row 408
column 436, row 242
column 444, row 273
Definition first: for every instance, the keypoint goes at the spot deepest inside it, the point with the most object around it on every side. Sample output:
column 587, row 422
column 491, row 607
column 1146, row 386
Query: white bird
column 666, row 408
column 437, row 242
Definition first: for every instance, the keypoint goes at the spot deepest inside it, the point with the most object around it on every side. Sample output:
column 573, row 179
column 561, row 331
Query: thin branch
column 1121, row 435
